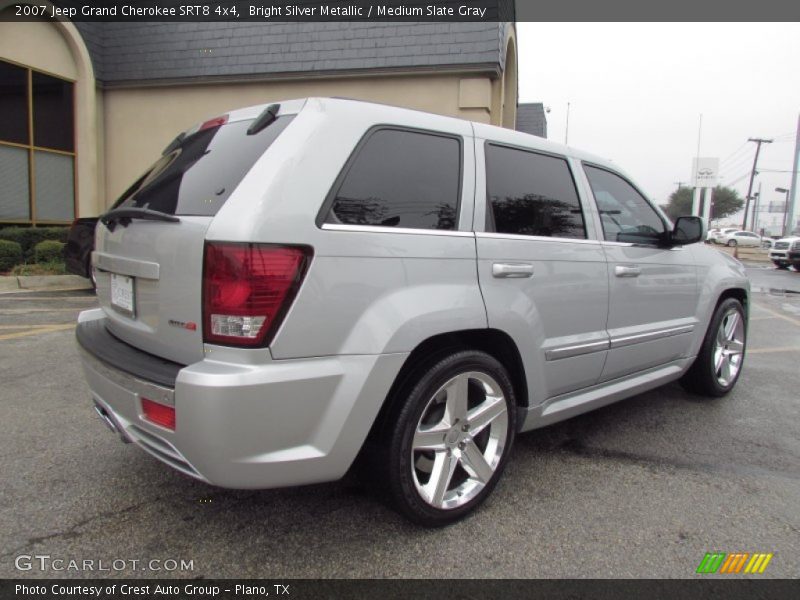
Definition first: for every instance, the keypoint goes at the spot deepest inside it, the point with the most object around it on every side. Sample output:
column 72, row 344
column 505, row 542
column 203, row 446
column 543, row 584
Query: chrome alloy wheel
column 729, row 348
column 459, row 440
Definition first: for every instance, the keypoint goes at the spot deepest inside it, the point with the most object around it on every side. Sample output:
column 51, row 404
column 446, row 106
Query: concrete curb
column 43, row 282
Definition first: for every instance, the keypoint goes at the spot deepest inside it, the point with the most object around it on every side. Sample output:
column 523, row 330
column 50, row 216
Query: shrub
column 53, row 268
column 28, row 237
column 10, row 254
column 48, row 251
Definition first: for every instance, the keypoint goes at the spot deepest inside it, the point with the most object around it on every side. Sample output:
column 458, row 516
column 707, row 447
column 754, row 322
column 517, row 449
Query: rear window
column 198, row 177
column 401, row 178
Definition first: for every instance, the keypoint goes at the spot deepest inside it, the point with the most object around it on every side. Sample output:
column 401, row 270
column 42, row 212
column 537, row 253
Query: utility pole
column 566, row 133
column 680, row 184
column 758, row 142
column 788, row 225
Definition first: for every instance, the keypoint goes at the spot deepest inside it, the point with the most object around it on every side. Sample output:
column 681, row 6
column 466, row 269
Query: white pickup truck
column 785, row 252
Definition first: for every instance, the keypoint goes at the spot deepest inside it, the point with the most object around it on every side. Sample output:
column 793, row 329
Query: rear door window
column 531, row 194
column 400, row 178
column 199, row 176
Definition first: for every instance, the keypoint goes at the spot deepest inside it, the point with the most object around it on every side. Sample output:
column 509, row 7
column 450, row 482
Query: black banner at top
column 263, row 10
column 400, row 10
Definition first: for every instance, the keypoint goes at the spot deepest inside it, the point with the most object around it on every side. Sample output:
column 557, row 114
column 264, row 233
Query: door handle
column 512, row 270
column 627, row 271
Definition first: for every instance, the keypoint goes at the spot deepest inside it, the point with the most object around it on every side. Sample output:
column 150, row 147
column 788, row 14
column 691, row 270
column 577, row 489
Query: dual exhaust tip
column 110, row 422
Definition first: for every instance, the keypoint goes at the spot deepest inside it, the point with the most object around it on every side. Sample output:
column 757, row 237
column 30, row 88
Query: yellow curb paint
column 37, row 331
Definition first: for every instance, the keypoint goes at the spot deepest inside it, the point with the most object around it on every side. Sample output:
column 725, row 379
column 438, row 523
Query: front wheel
column 719, row 363
column 450, row 437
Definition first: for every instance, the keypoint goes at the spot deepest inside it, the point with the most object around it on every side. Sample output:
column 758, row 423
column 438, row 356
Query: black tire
column 780, row 265
column 90, row 273
column 397, row 467
column 732, row 243
column 701, row 378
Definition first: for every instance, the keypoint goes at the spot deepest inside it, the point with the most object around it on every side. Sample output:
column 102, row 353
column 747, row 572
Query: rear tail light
column 247, row 290
column 160, row 414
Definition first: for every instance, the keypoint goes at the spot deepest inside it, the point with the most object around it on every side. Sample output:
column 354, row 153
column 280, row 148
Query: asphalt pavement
column 642, row 488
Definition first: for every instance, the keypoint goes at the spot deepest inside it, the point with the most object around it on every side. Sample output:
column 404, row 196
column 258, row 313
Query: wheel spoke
column 719, row 358
column 736, row 347
column 486, row 412
column 730, row 325
column 443, row 467
column 429, row 439
column 475, row 464
column 457, row 396
column 726, row 370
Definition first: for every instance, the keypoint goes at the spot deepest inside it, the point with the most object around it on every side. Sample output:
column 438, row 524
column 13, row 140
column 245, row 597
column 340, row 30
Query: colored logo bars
column 720, row 562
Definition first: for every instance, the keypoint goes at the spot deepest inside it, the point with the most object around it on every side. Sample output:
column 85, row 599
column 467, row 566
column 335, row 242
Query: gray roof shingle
column 151, row 51
column 531, row 119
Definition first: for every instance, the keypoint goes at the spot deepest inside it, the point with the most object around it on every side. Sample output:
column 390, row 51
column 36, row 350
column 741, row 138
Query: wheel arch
column 494, row 342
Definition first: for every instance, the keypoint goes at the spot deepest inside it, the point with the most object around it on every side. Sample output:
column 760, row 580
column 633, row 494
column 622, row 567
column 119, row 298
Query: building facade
column 85, row 107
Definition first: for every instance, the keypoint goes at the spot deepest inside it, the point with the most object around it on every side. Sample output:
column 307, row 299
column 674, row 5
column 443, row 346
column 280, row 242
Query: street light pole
column 785, row 208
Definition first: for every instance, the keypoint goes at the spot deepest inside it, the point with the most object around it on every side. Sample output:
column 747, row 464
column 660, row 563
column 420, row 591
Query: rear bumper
column 280, row 423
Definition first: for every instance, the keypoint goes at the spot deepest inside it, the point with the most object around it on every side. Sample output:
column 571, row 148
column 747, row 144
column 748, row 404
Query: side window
column 625, row 214
column 401, row 179
column 531, row 194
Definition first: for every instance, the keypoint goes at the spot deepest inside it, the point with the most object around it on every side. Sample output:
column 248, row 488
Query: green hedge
column 48, row 251
column 10, row 254
column 28, row 237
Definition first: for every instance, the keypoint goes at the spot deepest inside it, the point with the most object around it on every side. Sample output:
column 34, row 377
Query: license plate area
column 123, row 299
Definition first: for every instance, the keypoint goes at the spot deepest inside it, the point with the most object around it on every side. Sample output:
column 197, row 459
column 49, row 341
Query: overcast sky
column 637, row 90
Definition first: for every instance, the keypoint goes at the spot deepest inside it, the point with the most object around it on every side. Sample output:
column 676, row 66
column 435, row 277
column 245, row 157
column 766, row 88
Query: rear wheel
column 719, row 363
column 449, row 439
column 91, row 273
column 732, row 243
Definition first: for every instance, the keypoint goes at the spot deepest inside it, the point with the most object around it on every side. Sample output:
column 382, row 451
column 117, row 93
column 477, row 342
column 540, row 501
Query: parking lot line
column 37, row 330
column 767, row 350
column 777, row 314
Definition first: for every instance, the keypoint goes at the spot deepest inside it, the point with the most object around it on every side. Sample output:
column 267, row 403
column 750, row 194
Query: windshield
column 198, row 176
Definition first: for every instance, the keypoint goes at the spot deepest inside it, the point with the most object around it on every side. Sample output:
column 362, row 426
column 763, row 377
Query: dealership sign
column 705, row 172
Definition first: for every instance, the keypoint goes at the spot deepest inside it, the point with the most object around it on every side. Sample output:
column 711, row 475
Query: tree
column 725, row 202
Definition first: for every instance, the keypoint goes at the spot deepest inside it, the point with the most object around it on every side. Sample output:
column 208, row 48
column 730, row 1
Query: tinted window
column 401, row 179
column 13, row 103
column 531, row 194
column 199, row 176
column 52, row 112
column 625, row 214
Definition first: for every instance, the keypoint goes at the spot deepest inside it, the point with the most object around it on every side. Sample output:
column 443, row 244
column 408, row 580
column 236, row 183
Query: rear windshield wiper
column 123, row 216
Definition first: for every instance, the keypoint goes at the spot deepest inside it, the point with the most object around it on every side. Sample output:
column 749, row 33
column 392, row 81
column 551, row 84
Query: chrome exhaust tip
column 110, row 422
column 103, row 414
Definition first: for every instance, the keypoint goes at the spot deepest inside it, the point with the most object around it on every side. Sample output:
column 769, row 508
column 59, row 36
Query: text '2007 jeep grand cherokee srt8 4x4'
column 290, row 287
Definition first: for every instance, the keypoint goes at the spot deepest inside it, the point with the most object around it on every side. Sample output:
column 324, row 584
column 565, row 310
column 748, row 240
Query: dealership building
column 86, row 106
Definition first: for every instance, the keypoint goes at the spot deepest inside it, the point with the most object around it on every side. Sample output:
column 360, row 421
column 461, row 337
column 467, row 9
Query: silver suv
column 292, row 287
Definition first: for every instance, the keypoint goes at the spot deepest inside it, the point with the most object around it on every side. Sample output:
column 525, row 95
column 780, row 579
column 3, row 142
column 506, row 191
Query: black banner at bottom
column 391, row 589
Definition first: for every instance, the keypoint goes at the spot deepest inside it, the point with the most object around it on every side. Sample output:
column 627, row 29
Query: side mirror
column 688, row 230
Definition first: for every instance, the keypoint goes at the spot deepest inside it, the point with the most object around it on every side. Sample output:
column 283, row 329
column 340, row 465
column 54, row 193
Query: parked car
column 79, row 246
column 739, row 238
column 294, row 287
column 722, row 233
column 785, row 252
column 711, row 235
